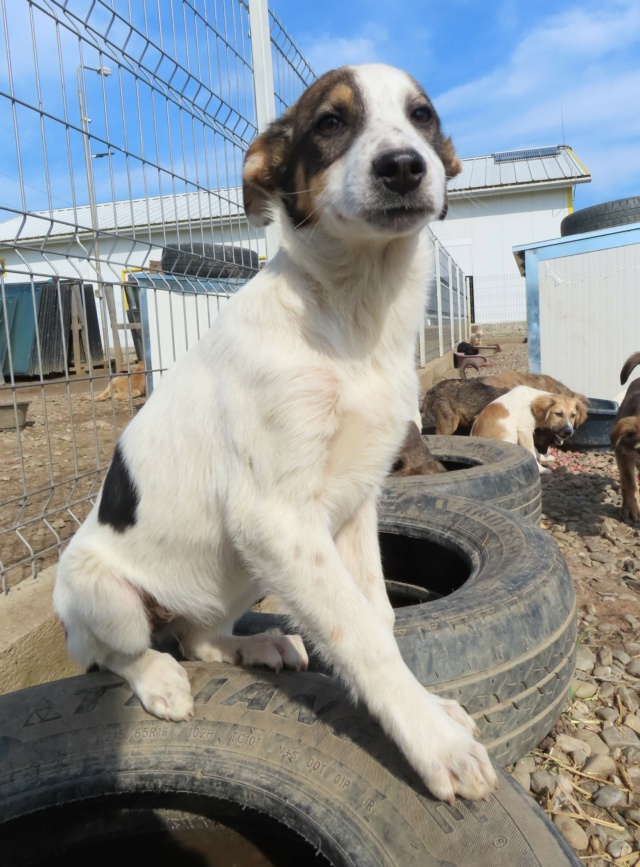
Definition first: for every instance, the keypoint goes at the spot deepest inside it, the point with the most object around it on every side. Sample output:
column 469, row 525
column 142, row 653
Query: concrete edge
column 32, row 642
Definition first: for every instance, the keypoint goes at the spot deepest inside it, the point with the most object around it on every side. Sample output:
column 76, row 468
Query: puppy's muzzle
column 566, row 431
column 401, row 171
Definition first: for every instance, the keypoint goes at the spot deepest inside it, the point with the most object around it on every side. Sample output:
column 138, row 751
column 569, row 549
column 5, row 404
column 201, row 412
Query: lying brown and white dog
column 625, row 439
column 255, row 466
column 514, row 417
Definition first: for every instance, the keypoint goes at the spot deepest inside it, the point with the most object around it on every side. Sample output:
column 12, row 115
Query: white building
column 500, row 201
column 497, row 202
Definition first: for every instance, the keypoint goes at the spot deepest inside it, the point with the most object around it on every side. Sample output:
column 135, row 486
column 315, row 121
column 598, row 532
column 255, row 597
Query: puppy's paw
column 459, row 766
column 544, row 471
column 457, row 713
column 274, row 651
column 162, row 685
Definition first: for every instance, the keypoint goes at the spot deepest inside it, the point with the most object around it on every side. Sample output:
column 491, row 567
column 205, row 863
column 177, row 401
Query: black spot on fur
column 119, row 500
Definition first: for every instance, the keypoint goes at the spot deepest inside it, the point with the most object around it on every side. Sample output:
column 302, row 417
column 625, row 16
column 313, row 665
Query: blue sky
column 505, row 74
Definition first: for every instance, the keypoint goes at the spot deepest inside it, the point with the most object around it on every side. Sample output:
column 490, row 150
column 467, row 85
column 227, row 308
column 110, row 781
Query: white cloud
column 583, row 63
column 328, row 51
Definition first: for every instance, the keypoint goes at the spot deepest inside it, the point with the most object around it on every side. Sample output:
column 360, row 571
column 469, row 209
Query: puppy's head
column 625, row 434
column 361, row 152
column 558, row 413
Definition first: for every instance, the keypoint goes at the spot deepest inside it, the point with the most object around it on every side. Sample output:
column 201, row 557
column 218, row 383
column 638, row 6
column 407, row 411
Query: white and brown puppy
column 514, row 416
column 255, row 466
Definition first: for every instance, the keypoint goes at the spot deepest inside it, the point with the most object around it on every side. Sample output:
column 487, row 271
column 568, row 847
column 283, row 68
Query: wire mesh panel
column 124, row 126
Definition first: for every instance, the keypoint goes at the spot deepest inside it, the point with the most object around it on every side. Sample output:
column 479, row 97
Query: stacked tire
column 286, row 762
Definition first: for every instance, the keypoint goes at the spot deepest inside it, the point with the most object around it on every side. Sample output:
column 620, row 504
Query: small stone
column 619, row 736
column 569, row 745
column 598, row 746
column 632, row 757
column 607, row 628
column 603, row 671
column 600, row 765
column 527, row 765
column 608, row 796
column 606, row 690
column 618, row 848
column 605, row 657
column 571, row 831
column 621, row 657
column 607, row 713
column 633, row 722
column 632, row 648
column 543, row 783
column 583, row 689
column 633, row 815
column 628, row 697
column 630, row 565
column 585, row 659
column 633, row 668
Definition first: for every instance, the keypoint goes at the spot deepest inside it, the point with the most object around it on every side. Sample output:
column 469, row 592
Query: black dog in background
column 467, row 348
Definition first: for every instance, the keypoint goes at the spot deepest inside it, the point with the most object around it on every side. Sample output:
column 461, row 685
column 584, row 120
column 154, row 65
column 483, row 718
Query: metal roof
column 532, row 167
column 116, row 216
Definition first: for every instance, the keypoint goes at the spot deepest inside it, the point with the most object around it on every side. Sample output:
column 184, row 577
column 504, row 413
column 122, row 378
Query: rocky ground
column 586, row 772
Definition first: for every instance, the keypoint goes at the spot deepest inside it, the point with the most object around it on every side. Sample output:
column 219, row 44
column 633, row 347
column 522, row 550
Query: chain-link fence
column 122, row 232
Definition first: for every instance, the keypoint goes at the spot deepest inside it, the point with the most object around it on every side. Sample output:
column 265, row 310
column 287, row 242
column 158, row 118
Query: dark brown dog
column 454, row 404
column 414, row 458
column 625, row 439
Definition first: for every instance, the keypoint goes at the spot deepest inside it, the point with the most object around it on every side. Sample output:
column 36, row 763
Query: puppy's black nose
column 400, row 171
column 566, row 431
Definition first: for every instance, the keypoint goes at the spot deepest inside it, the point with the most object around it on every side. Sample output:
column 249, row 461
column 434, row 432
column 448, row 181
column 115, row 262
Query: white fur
column 258, row 462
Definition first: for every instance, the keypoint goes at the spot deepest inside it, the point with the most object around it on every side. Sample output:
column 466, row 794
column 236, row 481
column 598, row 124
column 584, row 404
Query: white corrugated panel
column 589, row 315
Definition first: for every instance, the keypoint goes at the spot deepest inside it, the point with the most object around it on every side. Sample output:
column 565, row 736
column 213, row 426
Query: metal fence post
column 264, row 88
column 452, row 318
column 439, row 297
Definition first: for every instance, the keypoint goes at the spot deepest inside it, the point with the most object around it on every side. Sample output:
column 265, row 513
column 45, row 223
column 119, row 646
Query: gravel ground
column 586, row 772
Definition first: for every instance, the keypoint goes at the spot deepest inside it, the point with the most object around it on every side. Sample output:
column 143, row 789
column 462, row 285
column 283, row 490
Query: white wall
column 480, row 232
column 589, row 314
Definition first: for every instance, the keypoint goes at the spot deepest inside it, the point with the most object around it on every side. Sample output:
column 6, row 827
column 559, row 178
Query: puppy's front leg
column 628, row 485
column 304, row 567
column 359, row 549
column 525, row 439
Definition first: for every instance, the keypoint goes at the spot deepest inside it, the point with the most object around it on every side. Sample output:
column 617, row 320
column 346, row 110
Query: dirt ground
column 41, row 501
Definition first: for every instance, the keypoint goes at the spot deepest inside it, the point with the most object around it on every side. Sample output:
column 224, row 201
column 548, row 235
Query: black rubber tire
column 503, row 643
column 619, row 212
column 501, row 474
column 213, row 261
column 290, row 747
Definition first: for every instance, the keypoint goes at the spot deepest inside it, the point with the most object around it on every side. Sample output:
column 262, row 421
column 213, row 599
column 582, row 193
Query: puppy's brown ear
column 542, row 406
column 262, row 171
column 452, row 167
column 581, row 409
column 449, row 157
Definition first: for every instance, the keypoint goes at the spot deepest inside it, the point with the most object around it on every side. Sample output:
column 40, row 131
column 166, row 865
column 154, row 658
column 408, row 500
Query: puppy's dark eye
column 559, row 413
column 329, row 124
column 422, row 114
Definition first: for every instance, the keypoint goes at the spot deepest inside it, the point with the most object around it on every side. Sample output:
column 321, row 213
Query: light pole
column 104, row 71
column 85, row 120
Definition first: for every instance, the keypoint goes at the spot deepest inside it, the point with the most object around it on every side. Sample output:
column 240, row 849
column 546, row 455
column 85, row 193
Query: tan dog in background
column 132, row 383
column 514, row 417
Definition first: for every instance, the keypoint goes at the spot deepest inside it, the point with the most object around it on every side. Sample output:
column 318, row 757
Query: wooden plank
column 111, row 307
